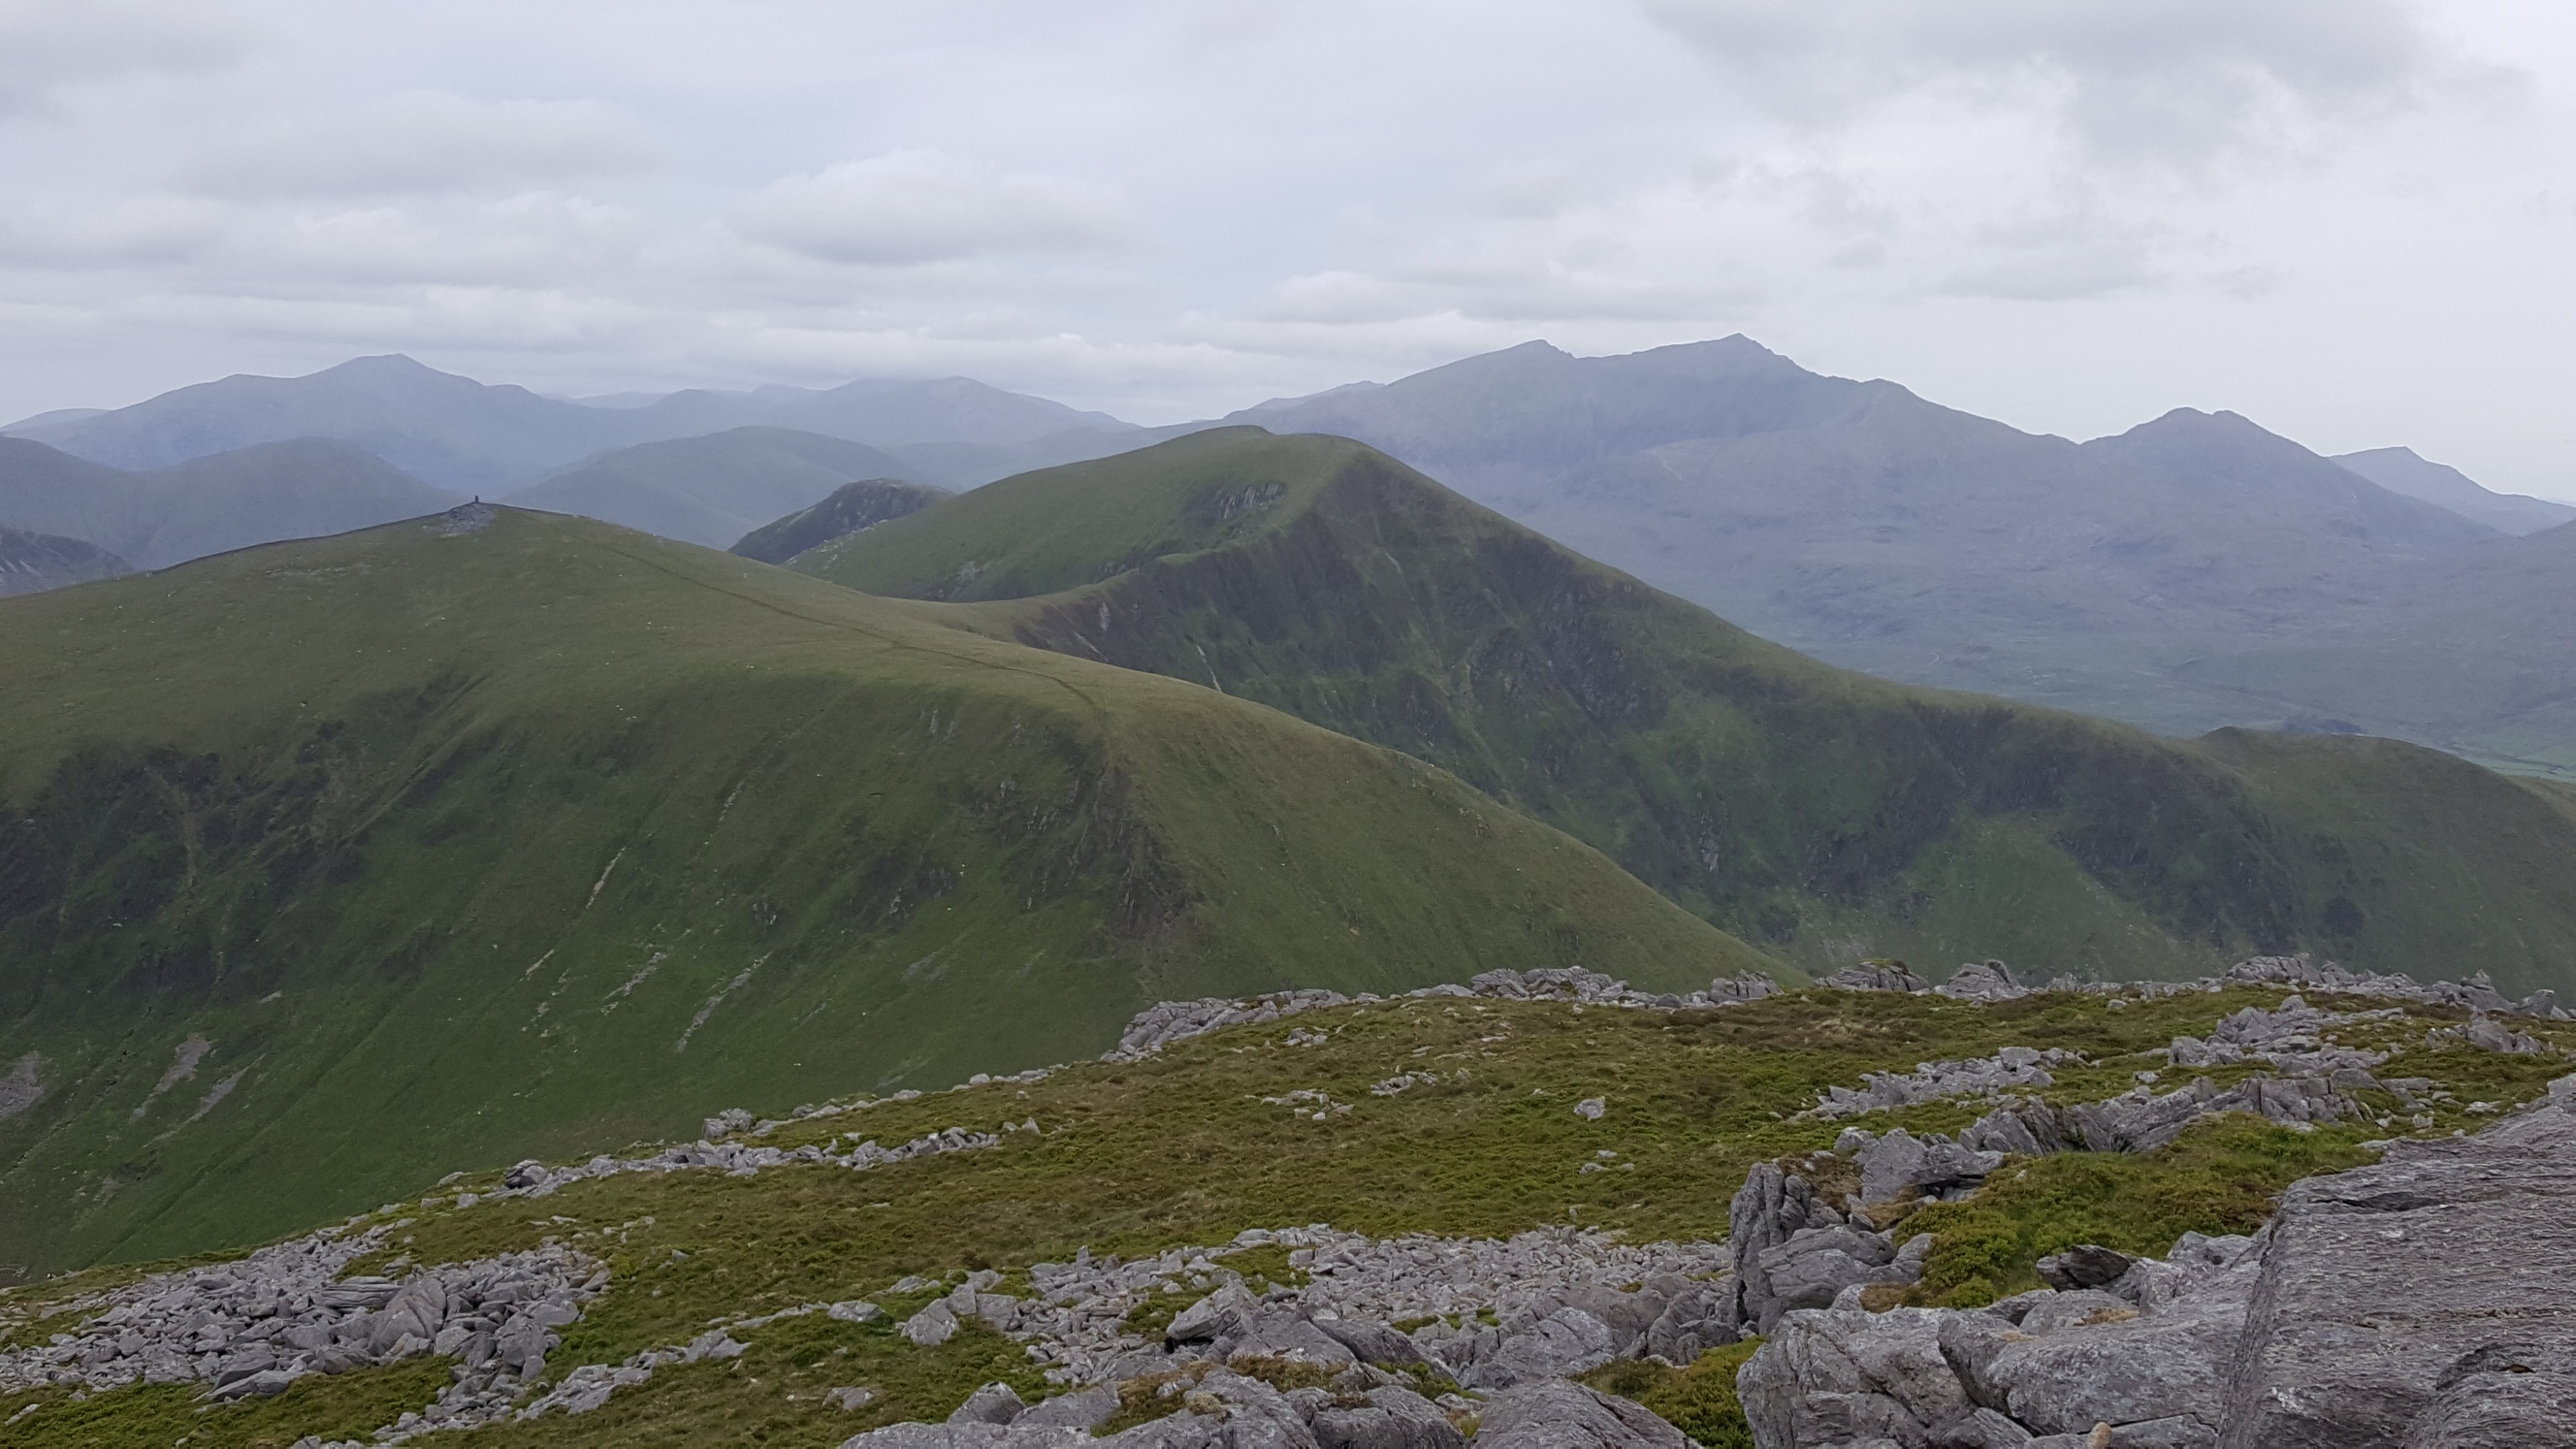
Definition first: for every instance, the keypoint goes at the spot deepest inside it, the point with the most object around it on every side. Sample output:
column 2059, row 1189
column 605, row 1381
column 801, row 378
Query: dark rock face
column 2423, row 1301
column 850, row 508
column 33, row 562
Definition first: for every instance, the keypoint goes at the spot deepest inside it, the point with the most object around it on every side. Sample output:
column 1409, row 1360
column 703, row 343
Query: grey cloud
column 70, row 231
column 425, row 142
column 2127, row 79
column 914, row 206
column 2068, row 250
column 48, row 47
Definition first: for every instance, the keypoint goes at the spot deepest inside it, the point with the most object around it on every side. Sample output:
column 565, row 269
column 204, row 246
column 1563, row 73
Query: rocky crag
column 2293, row 1334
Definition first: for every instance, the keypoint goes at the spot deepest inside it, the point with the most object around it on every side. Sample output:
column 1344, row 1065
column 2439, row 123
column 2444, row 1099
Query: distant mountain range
column 469, row 437
column 158, row 517
column 2399, row 470
column 2193, row 572
column 2153, row 576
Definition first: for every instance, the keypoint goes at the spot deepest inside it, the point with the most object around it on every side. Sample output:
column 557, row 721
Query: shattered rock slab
column 2387, row 1288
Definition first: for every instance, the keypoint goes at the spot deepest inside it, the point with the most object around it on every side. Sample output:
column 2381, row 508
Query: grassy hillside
column 497, row 833
column 1199, row 1143
column 1824, row 813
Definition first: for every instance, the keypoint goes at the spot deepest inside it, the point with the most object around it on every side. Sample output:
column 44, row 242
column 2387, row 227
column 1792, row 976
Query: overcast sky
column 2352, row 220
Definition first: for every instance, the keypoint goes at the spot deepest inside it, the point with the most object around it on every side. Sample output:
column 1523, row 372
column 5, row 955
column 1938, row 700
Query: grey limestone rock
column 2380, row 1284
column 1081, row 1409
column 1568, row 1341
column 2087, row 1265
column 1743, row 986
column 1832, row 1377
column 1816, row 1264
column 995, row 1403
column 932, row 1326
column 1900, row 1166
column 1225, row 1313
column 1982, row 981
column 1555, row 1414
column 1877, row 976
column 1370, row 1342
column 1393, row 1418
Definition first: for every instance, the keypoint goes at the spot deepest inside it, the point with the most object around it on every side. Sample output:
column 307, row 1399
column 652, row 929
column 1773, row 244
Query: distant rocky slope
column 1028, row 1285
column 851, row 508
column 31, row 563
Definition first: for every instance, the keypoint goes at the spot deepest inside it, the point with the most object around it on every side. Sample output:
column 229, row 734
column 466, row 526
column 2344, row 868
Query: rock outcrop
column 2421, row 1303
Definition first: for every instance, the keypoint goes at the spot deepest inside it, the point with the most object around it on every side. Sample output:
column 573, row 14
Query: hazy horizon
column 2346, row 221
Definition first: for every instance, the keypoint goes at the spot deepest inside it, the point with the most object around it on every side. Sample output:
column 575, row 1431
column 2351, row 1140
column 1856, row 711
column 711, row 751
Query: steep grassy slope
column 500, row 832
column 1825, row 813
column 710, row 490
column 1197, row 1144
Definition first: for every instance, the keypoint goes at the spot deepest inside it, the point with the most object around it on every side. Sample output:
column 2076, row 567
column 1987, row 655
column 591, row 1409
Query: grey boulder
column 1555, row 1414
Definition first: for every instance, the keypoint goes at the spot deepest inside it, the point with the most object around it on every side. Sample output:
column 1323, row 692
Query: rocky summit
column 2288, row 1205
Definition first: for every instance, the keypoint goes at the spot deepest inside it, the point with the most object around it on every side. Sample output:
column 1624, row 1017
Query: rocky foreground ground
column 2427, row 1301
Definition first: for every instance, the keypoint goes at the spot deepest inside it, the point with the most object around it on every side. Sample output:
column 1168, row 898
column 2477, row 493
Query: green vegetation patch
column 1698, row 1399
column 2220, row 1177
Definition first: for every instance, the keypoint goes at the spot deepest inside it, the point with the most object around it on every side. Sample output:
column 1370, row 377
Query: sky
column 2351, row 220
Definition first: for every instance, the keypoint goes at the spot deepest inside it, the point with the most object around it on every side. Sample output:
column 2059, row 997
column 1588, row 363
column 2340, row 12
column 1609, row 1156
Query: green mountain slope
column 498, row 832
column 1825, row 813
column 712, row 489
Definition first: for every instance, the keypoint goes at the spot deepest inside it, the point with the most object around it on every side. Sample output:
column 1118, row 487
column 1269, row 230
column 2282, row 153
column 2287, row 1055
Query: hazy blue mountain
column 457, row 433
column 300, row 488
column 31, row 563
column 2401, row 470
column 710, row 489
column 452, row 432
column 851, row 508
column 43, row 426
column 1865, row 525
column 953, row 429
